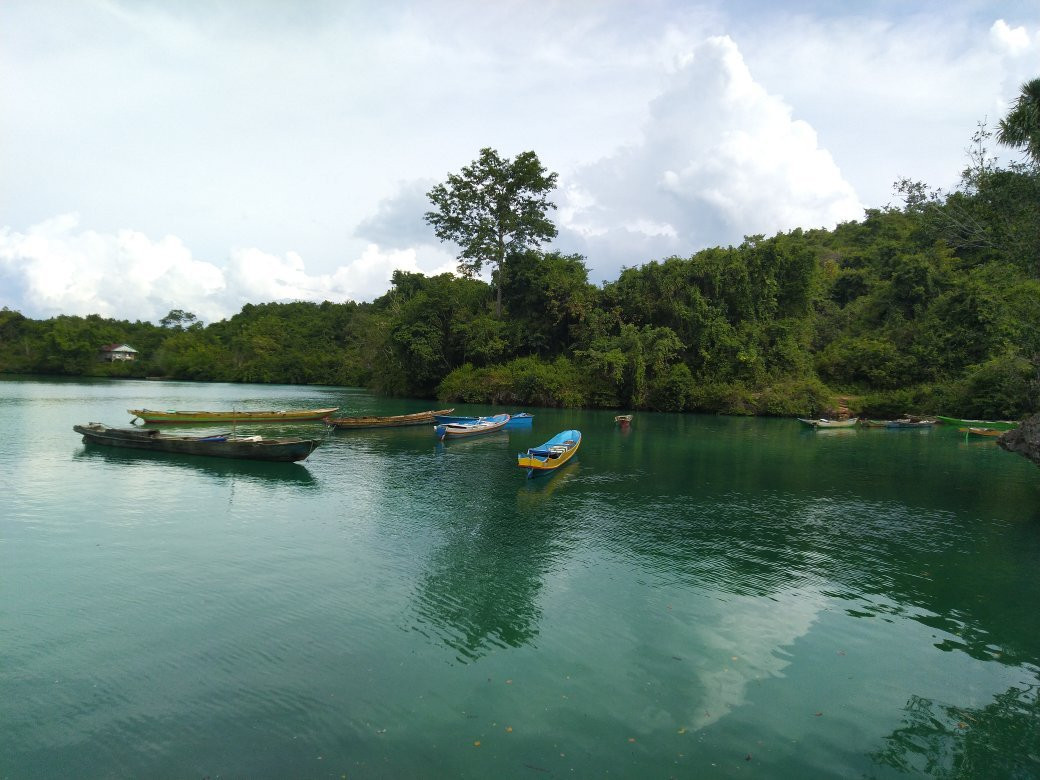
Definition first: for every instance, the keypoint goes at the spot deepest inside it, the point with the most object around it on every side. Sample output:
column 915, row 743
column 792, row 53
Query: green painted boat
column 993, row 425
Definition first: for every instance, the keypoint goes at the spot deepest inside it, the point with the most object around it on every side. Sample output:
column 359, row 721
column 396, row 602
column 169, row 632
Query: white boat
column 823, row 422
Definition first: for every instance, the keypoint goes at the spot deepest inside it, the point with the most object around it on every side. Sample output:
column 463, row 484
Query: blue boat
column 551, row 455
column 455, row 430
column 518, row 420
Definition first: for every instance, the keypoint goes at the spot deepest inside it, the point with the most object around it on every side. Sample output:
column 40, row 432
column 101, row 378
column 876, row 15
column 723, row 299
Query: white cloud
column 311, row 133
column 57, row 268
column 1012, row 40
column 719, row 158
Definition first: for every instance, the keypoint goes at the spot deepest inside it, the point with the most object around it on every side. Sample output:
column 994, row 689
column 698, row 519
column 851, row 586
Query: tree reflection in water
column 1001, row 739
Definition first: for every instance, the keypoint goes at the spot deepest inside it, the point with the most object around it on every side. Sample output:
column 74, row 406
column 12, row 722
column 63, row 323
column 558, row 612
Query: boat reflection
column 221, row 468
column 534, row 492
column 480, row 589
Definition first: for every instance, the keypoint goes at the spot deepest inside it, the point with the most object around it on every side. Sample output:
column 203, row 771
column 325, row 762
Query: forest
column 929, row 306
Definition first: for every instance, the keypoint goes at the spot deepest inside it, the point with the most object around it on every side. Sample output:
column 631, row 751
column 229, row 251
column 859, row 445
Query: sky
column 204, row 154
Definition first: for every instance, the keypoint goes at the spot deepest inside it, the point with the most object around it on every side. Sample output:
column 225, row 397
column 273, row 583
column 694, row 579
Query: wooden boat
column 218, row 446
column 151, row 416
column 907, row 422
column 823, row 422
column 976, row 431
column 393, row 421
column 459, row 430
column 997, row 425
column 874, row 423
column 623, row 419
column 551, row 455
column 518, row 420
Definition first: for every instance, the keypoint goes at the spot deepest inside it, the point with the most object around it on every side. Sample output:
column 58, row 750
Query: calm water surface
column 696, row 596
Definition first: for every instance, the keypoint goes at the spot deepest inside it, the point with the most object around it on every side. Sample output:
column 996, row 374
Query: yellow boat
column 234, row 416
column 551, row 455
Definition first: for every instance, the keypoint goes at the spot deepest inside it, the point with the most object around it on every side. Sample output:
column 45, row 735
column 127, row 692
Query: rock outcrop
column 1025, row 439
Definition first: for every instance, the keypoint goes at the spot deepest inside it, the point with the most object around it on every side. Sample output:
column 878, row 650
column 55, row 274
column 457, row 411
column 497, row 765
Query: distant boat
column 235, row 416
column 823, row 422
column 393, row 421
column 907, row 422
column 482, row 425
column 217, row 446
column 623, row 419
column 976, row 431
column 518, row 420
column 997, row 425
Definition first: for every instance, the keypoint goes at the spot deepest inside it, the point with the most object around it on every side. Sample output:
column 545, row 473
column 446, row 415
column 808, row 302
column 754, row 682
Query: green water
column 695, row 596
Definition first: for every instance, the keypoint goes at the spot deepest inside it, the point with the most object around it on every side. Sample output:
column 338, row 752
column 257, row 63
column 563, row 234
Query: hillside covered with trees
column 929, row 306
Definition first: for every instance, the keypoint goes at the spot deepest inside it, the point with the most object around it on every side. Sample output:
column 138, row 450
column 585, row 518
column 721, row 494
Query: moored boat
column 996, row 425
column 623, row 419
column 517, row 420
column 977, row 431
column 551, row 455
column 823, row 422
column 462, row 429
column 907, row 422
column 152, row 416
column 392, row 421
column 217, row 446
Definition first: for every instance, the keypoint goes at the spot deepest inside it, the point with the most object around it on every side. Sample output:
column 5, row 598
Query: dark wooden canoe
column 218, row 446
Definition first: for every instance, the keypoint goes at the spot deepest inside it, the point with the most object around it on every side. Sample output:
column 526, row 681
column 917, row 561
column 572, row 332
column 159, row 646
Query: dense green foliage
column 932, row 307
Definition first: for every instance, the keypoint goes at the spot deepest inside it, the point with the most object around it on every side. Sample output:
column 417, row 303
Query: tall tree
column 1021, row 127
column 494, row 207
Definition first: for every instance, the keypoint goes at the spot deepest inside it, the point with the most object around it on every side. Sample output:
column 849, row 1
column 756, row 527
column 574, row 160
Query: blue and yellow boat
column 551, row 455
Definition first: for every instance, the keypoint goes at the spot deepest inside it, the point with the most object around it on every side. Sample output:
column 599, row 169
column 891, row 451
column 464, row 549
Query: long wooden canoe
column 235, row 416
column 393, row 421
column 551, row 455
column 996, row 425
column 216, row 446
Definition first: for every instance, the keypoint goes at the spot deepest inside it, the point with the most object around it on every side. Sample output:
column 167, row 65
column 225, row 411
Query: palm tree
column 1021, row 127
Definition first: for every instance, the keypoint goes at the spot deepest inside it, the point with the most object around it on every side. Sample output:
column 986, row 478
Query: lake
column 695, row 596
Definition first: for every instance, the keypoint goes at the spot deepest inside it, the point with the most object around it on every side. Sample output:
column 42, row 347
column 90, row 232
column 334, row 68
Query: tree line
column 929, row 306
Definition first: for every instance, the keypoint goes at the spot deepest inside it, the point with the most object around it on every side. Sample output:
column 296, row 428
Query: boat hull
column 519, row 420
column 550, row 456
column 463, row 430
column 994, row 425
column 152, row 417
column 222, row 446
column 824, row 423
column 392, row 421
column 980, row 432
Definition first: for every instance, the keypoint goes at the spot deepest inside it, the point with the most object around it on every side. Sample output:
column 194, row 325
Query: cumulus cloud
column 719, row 157
column 56, row 267
column 1011, row 40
